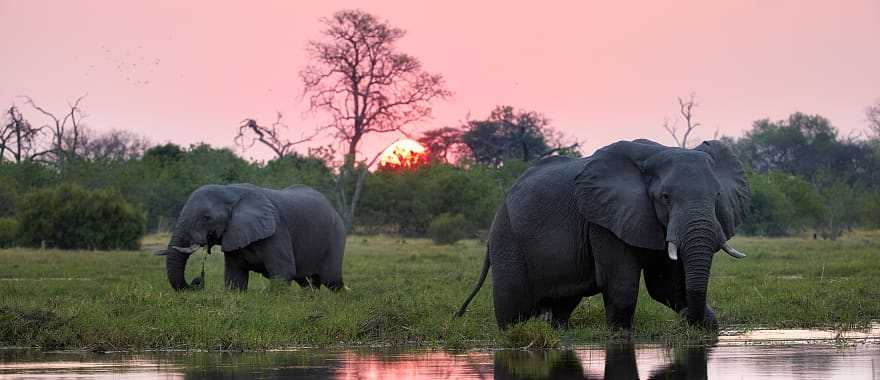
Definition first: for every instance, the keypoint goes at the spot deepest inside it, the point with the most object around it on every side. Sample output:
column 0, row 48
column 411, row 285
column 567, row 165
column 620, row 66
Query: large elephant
column 571, row 228
column 293, row 234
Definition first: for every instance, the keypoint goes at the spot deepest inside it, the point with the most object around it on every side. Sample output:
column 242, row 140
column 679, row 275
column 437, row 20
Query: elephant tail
column 476, row 288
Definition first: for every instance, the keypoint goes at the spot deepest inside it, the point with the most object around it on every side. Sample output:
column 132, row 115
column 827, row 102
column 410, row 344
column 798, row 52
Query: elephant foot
column 623, row 335
column 709, row 321
column 197, row 283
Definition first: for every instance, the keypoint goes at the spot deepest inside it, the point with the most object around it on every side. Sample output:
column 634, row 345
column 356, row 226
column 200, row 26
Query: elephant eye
column 665, row 197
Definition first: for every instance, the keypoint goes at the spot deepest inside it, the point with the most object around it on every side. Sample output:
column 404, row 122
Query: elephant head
column 232, row 216
column 686, row 202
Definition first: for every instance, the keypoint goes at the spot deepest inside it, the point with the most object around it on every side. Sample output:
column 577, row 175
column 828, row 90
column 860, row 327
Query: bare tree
column 249, row 133
column 365, row 86
column 873, row 114
column 686, row 109
column 113, row 145
column 66, row 130
column 18, row 137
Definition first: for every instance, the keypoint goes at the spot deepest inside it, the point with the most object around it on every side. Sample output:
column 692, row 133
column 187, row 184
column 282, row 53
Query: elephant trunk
column 175, row 261
column 699, row 244
column 697, row 283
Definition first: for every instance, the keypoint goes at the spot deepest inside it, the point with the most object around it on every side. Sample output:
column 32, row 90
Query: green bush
column 782, row 204
column 448, row 228
column 411, row 199
column 70, row 217
column 533, row 334
column 7, row 232
column 7, row 200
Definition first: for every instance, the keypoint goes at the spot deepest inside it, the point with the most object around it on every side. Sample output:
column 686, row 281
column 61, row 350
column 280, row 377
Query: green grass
column 402, row 291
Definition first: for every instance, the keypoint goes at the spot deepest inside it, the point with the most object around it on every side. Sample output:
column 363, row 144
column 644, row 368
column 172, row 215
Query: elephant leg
column 512, row 295
column 330, row 274
column 562, row 309
column 511, row 289
column 235, row 274
column 309, row 282
column 330, row 271
column 312, row 281
column 620, row 362
column 618, row 274
column 511, row 286
column 276, row 253
column 334, row 285
column 664, row 280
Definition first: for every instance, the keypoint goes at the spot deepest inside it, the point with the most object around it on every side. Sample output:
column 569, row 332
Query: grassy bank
column 402, row 291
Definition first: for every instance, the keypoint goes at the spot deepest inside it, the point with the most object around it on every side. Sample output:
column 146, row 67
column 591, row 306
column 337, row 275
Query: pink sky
column 600, row 71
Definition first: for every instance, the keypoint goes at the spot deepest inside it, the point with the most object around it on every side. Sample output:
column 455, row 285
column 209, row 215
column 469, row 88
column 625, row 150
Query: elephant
column 293, row 234
column 571, row 228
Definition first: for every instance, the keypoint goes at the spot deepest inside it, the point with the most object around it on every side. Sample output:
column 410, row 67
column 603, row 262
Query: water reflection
column 618, row 361
column 342, row 365
column 615, row 361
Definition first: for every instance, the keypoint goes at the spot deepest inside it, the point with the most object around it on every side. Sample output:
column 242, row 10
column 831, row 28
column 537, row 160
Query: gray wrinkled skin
column 572, row 228
column 293, row 234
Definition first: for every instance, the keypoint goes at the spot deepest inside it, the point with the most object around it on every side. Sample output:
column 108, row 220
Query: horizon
column 600, row 72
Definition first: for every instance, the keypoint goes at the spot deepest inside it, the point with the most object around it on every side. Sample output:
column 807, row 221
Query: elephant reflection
column 620, row 363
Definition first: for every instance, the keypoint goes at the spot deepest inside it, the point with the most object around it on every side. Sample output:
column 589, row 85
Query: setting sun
column 403, row 154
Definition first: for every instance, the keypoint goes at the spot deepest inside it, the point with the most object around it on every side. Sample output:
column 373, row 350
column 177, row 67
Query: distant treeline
column 804, row 178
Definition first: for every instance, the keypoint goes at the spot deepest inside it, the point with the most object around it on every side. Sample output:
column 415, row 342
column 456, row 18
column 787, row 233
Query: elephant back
column 536, row 198
column 307, row 205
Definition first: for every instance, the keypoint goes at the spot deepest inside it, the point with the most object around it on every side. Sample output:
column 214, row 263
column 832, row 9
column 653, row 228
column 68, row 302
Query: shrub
column 7, row 200
column 411, row 199
column 534, row 334
column 447, row 228
column 782, row 204
column 70, row 217
column 7, row 232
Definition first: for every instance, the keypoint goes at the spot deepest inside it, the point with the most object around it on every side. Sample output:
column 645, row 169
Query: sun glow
column 403, row 154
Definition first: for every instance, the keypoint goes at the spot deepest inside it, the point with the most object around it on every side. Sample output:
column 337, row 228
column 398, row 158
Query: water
column 777, row 354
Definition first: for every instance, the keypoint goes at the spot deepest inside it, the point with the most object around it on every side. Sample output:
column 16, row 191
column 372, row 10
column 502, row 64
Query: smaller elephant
column 293, row 234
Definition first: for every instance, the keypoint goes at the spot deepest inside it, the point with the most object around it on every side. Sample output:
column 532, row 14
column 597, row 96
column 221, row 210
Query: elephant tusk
column 189, row 249
column 673, row 251
column 732, row 251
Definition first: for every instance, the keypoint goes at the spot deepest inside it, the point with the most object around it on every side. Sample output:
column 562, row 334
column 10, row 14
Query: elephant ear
column 735, row 193
column 612, row 192
column 253, row 218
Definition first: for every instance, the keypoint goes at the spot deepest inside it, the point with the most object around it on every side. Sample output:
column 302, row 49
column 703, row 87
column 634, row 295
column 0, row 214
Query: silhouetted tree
column 165, row 153
column 801, row 145
column 873, row 114
column 249, row 132
column 359, row 80
column 115, row 145
column 66, row 130
column 508, row 134
column 442, row 142
column 18, row 138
